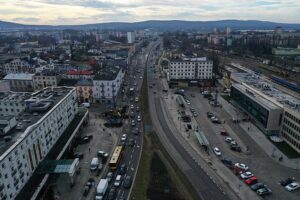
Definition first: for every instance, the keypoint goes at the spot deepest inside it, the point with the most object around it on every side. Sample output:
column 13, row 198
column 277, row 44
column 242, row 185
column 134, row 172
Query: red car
column 224, row 132
column 251, row 180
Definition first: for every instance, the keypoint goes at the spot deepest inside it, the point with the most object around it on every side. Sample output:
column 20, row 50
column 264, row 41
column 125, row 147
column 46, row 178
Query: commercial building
column 20, row 82
column 274, row 111
column 130, row 37
column 48, row 113
column 107, row 84
column 45, row 79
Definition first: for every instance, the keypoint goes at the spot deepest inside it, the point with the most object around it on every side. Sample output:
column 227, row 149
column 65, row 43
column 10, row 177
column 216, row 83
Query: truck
column 101, row 189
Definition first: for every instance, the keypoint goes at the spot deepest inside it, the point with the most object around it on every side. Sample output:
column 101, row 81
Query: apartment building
column 13, row 103
column 20, row 82
column 48, row 113
column 45, row 79
column 84, row 90
column 190, row 69
column 107, row 84
column 17, row 66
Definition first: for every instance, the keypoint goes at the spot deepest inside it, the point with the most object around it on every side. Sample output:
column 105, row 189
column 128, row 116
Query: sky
column 71, row 12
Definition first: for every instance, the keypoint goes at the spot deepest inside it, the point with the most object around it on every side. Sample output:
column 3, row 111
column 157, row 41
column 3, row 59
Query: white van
column 94, row 164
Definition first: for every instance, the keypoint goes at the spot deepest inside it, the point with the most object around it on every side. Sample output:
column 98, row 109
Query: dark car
column 90, row 183
column 210, row 114
column 131, row 142
column 264, row 191
column 78, row 155
column 286, row 182
column 111, row 194
column 227, row 162
column 127, row 182
column 257, row 186
column 122, row 169
column 235, row 148
column 84, row 140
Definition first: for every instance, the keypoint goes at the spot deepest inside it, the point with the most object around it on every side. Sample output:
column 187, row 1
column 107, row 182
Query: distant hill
column 159, row 25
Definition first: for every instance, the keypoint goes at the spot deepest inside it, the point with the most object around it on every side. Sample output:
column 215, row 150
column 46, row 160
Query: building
column 130, row 37
column 20, row 82
column 47, row 115
column 4, row 86
column 84, row 90
column 13, row 103
column 45, row 79
column 107, row 84
column 192, row 70
column 17, row 66
column 80, row 74
column 280, row 51
column 273, row 110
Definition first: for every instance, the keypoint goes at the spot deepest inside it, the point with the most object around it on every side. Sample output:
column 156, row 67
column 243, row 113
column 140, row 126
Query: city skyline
column 67, row 12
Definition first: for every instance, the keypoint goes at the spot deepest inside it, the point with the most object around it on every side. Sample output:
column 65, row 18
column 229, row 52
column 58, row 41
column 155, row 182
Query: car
column 118, row 180
column 131, row 142
column 192, row 109
column 241, row 166
column 233, row 142
column 84, row 140
column 286, row 182
column 217, row 151
column 139, row 118
column 131, row 106
column 224, row 132
column 112, row 193
column 86, row 189
column 257, row 186
column 123, row 138
column 195, row 114
column 216, row 121
column 141, row 77
column 132, row 122
column 246, row 175
column 236, row 148
column 109, row 176
column 127, row 182
column 292, row 186
column 137, row 109
column 228, row 139
column 264, row 191
column 251, row 181
column 99, row 168
column 210, row 114
column 193, row 95
column 136, row 131
column 188, row 102
column 122, row 169
column 227, row 162
column 136, row 99
column 79, row 155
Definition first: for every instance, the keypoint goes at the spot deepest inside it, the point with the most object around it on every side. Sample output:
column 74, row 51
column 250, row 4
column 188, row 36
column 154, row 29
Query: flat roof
column 27, row 118
column 255, row 97
column 107, row 74
column 14, row 96
column 21, row 76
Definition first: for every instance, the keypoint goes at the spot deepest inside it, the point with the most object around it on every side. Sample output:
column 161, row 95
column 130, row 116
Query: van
column 94, row 164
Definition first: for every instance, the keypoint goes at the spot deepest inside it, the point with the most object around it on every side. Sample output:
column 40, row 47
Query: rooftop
column 14, row 96
column 107, row 74
column 79, row 72
column 85, row 82
column 268, row 89
column 21, row 76
column 39, row 104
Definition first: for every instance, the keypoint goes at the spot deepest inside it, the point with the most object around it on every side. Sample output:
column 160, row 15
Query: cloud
column 95, row 11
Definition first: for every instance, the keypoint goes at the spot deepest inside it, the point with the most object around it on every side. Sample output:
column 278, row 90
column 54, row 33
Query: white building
column 107, row 84
column 48, row 114
column 13, row 103
column 20, row 82
column 17, row 66
column 190, row 69
column 130, row 37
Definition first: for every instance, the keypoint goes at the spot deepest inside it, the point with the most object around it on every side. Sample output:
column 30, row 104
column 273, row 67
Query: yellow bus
column 116, row 157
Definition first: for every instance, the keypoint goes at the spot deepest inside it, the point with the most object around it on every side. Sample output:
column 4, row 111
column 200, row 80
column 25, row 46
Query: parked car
column 251, row 181
column 264, row 191
column 195, row 114
column 78, row 155
column 210, row 114
column 227, row 162
column 241, row 166
column 233, row 142
column 217, row 151
column 228, row 139
column 286, row 182
column 127, row 182
column 123, row 138
column 224, row 132
column 131, row 106
column 246, row 175
column 84, row 140
column 235, row 148
column 292, row 186
column 257, row 186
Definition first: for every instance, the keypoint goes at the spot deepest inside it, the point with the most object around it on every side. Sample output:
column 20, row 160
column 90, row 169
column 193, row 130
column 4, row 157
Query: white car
column 139, row 118
column 228, row 139
column 132, row 106
column 233, row 142
column 246, row 175
column 141, row 77
column 188, row 102
column 292, row 186
column 124, row 137
column 241, row 166
column 117, row 182
column 217, row 151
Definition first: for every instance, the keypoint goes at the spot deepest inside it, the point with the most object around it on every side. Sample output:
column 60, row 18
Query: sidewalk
column 259, row 137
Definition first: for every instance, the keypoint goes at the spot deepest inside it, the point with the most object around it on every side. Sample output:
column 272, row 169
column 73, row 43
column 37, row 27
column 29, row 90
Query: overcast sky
column 61, row 12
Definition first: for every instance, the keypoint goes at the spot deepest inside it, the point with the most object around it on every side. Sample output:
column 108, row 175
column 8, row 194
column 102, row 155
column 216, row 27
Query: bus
column 116, row 157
